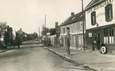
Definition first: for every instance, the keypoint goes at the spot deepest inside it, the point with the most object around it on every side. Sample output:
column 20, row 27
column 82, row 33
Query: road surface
column 33, row 59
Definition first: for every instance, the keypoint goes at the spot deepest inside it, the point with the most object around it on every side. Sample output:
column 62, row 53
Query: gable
column 94, row 3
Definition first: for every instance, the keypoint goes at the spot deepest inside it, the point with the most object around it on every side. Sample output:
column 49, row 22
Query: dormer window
column 108, row 13
column 93, row 18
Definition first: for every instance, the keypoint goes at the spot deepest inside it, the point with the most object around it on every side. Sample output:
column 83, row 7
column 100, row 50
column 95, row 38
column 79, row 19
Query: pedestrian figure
column 68, row 40
column 94, row 45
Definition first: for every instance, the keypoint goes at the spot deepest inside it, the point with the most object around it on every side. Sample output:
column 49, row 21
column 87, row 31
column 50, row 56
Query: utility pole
column 45, row 26
column 39, row 36
column 39, row 31
column 82, row 3
column 45, row 31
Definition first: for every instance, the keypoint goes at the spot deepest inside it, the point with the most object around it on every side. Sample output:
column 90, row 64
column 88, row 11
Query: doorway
column 98, row 41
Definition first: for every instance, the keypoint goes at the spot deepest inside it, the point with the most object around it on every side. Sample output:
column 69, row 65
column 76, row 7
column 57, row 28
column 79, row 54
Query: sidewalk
column 90, row 58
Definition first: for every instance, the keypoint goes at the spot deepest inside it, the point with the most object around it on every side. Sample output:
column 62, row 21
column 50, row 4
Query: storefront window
column 106, row 32
column 109, row 36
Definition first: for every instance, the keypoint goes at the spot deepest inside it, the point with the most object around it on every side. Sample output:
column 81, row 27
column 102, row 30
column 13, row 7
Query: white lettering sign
column 90, row 34
column 100, row 5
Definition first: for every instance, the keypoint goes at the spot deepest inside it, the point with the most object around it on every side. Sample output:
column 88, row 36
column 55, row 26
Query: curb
column 2, row 51
column 85, row 67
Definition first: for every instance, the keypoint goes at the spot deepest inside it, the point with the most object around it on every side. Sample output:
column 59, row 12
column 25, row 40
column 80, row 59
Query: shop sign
column 90, row 34
column 101, row 5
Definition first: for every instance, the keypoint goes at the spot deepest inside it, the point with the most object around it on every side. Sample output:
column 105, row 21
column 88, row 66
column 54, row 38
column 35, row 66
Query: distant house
column 75, row 23
column 100, row 23
column 54, row 35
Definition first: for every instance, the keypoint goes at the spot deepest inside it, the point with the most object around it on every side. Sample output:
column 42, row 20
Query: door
column 98, row 41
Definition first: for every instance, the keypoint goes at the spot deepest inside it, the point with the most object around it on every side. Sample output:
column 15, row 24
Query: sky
column 30, row 14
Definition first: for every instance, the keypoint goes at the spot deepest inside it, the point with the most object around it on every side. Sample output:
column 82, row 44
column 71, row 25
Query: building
column 54, row 35
column 100, row 24
column 75, row 24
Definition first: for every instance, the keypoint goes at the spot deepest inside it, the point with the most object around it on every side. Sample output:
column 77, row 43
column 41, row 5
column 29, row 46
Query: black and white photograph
column 57, row 35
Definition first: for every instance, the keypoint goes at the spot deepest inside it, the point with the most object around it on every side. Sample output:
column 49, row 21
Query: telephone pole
column 39, row 31
column 82, row 3
column 45, row 31
column 45, row 26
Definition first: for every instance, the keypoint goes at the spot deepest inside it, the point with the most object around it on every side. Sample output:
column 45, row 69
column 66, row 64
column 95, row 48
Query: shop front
column 101, row 37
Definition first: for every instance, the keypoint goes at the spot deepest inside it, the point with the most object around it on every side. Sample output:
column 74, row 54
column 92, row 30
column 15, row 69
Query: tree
column 45, row 31
column 19, row 37
column 8, row 36
column 52, row 31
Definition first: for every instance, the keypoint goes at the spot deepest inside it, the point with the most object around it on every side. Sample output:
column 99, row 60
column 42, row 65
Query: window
column 93, row 18
column 81, row 26
column 108, row 12
column 63, row 30
column 68, row 30
column 109, row 32
column 109, row 36
column 80, row 40
column 106, row 32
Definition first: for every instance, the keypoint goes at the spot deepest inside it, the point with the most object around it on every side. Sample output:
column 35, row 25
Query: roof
column 73, row 18
column 94, row 3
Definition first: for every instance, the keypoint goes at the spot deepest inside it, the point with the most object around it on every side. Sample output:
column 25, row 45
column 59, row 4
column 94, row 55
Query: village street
column 34, row 59
column 57, row 35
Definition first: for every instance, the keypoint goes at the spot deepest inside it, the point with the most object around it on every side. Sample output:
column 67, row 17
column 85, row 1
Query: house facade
column 100, row 23
column 54, row 36
column 75, row 24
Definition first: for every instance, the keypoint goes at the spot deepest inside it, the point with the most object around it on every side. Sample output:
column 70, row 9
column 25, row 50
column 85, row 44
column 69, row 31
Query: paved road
column 33, row 59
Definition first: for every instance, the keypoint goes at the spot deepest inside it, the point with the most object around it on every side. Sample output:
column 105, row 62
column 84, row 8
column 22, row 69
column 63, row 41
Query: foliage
column 45, row 31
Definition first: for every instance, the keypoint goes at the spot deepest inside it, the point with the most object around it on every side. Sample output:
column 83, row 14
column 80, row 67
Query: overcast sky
column 29, row 14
